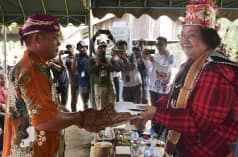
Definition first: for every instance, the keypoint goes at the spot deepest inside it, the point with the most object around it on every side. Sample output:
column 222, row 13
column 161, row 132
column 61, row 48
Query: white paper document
column 132, row 108
column 123, row 150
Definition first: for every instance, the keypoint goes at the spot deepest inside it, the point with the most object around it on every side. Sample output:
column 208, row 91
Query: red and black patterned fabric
column 209, row 125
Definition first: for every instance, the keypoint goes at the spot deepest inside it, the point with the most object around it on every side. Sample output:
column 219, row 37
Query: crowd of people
column 142, row 76
column 197, row 112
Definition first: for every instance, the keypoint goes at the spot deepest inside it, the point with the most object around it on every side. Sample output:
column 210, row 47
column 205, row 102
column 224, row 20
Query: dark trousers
column 159, row 129
column 84, row 92
column 63, row 91
column 154, row 97
column 74, row 97
column 132, row 94
column 117, row 87
column 1, row 126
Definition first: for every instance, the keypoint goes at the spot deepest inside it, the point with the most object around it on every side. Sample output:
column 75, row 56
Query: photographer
column 96, row 36
column 72, row 76
column 127, row 64
column 69, row 50
column 100, row 68
column 137, row 51
column 80, row 68
column 116, row 74
column 61, row 79
column 159, row 66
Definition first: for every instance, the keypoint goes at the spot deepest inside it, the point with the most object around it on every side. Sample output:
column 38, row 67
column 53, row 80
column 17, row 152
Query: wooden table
column 124, row 151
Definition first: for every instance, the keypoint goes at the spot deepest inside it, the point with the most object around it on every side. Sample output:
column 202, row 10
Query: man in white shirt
column 132, row 83
column 159, row 66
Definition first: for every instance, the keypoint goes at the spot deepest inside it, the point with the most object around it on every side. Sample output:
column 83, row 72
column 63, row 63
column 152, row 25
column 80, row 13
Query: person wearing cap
column 100, row 69
column 144, row 73
column 128, row 65
column 60, row 77
column 160, row 67
column 159, row 64
column 201, row 111
column 34, row 118
column 80, row 68
column 72, row 76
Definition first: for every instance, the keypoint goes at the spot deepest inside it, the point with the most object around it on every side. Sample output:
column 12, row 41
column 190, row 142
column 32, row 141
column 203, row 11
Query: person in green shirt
column 101, row 69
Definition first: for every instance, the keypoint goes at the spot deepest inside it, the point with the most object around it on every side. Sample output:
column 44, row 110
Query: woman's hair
column 210, row 37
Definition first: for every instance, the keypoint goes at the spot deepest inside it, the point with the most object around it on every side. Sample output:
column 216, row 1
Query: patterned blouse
column 32, row 100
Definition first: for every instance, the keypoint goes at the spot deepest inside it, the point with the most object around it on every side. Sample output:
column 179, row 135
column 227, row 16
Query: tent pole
column 90, row 30
column 5, row 47
column 90, row 18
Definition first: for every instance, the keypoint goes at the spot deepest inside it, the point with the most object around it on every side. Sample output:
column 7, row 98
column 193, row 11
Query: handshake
column 94, row 120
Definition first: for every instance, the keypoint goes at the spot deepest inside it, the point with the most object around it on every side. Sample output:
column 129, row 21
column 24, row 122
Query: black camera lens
column 67, row 52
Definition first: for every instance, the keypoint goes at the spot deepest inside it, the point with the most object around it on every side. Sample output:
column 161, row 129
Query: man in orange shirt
column 34, row 117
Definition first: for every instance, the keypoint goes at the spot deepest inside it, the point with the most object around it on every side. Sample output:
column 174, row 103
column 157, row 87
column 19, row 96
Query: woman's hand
column 149, row 112
column 139, row 123
column 141, row 119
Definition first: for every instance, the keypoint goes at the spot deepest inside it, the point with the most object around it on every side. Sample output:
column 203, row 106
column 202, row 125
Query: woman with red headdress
column 202, row 109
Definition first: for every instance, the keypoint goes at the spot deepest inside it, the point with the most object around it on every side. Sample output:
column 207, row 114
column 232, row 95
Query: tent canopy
column 156, row 8
column 77, row 12
column 67, row 11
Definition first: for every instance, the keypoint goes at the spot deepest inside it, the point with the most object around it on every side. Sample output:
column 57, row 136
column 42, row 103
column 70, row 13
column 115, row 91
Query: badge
column 82, row 74
column 103, row 73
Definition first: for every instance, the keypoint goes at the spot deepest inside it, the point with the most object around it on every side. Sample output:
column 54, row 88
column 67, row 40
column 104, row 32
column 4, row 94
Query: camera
column 149, row 51
column 118, row 51
column 104, row 31
column 67, row 52
column 101, row 41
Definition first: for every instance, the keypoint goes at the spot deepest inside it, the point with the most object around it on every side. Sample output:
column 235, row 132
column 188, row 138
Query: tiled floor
column 77, row 142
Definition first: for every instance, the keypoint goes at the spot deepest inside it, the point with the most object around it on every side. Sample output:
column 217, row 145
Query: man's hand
column 89, row 120
column 61, row 52
column 151, row 58
column 122, row 55
column 108, row 116
column 98, row 62
column 93, row 120
column 107, row 64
